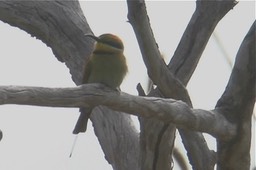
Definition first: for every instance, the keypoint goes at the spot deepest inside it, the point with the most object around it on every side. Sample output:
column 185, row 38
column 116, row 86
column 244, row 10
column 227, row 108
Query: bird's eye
column 115, row 44
column 111, row 40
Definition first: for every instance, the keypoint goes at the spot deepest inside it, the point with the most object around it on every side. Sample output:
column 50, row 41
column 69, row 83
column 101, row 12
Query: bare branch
column 163, row 78
column 59, row 24
column 237, row 103
column 150, row 138
column 196, row 36
column 156, row 67
column 184, row 62
column 229, row 122
column 187, row 55
column 179, row 157
column 166, row 110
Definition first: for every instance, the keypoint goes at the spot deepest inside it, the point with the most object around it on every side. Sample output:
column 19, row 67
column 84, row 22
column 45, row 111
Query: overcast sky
column 41, row 138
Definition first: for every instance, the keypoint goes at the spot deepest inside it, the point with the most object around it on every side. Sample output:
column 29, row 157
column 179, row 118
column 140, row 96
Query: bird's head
column 107, row 43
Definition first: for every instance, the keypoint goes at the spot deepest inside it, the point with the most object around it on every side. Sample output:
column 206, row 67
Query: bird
column 106, row 65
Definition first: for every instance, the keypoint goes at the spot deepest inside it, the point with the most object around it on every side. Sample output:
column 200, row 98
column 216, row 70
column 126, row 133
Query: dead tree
column 61, row 26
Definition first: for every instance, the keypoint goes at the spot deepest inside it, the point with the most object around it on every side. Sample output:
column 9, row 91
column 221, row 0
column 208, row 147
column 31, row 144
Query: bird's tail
column 81, row 124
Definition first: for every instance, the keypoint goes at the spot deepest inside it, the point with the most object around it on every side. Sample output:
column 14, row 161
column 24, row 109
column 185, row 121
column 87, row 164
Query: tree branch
column 185, row 59
column 60, row 25
column 196, row 36
column 92, row 95
column 156, row 67
column 153, row 140
column 164, row 79
column 236, row 104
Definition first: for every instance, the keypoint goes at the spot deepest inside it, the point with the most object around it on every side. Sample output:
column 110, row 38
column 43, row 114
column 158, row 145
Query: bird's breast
column 108, row 69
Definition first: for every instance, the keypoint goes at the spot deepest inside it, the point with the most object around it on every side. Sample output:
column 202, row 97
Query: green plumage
column 106, row 65
column 108, row 69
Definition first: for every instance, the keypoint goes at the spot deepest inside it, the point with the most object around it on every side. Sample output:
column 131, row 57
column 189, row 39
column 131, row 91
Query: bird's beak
column 92, row 36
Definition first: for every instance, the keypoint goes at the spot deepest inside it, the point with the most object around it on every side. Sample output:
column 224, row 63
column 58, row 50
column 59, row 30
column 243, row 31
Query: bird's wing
column 81, row 124
column 87, row 71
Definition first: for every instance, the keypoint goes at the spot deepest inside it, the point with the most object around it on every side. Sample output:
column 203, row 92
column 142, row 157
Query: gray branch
column 236, row 104
column 187, row 55
column 60, row 25
column 165, row 110
column 195, row 38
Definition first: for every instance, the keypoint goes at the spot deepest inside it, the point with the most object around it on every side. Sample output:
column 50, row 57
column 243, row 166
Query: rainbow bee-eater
column 106, row 65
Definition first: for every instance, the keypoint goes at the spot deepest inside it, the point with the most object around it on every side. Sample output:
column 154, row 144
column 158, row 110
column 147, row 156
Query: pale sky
column 41, row 137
